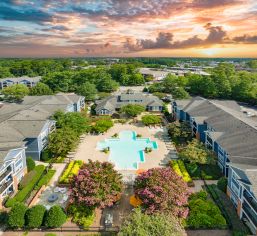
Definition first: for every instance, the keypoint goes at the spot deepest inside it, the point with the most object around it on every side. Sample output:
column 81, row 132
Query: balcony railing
column 251, row 214
column 252, row 202
column 5, row 185
column 6, row 173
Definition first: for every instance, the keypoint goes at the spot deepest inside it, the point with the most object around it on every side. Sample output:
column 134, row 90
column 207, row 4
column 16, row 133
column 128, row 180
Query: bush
column 22, row 195
column 222, row 184
column 179, row 167
column 132, row 110
column 34, row 216
column 161, row 189
column 151, row 120
column 98, row 184
column 55, row 217
column 45, row 179
column 102, row 125
column 70, row 171
column 207, row 172
column 46, row 155
column 30, row 164
column 16, row 218
column 204, row 213
column 199, row 195
column 138, row 223
column 82, row 215
column 228, row 209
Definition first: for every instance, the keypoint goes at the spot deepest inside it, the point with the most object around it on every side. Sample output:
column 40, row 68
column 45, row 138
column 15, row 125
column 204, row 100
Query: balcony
column 252, row 202
column 5, row 185
column 6, row 173
column 250, row 213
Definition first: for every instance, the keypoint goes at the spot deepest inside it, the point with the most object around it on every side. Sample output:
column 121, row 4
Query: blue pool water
column 127, row 150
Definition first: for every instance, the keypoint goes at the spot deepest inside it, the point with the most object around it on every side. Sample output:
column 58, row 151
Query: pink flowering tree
column 96, row 185
column 162, row 190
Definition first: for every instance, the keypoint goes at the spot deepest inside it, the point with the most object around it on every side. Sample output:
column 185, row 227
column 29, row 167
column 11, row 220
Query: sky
column 128, row 28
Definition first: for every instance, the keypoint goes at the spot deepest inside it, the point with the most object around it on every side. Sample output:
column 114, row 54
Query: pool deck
column 157, row 158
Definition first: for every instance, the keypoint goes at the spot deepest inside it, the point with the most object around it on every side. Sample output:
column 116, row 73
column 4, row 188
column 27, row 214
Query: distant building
column 28, row 81
column 113, row 103
column 232, row 135
column 156, row 74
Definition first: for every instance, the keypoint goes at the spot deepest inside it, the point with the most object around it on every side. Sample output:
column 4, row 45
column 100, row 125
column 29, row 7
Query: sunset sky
column 118, row 28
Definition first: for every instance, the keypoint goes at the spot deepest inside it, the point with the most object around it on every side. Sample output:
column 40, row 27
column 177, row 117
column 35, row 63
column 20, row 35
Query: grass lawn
column 207, row 172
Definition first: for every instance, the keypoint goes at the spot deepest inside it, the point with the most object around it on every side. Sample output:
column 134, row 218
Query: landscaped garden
column 37, row 177
column 71, row 171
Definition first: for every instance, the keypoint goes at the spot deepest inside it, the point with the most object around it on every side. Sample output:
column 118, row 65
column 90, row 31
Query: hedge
column 204, row 214
column 228, row 210
column 207, row 172
column 16, row 216
column 45, row 179
column 71, row 170
column 22, row 195
column 179, row 167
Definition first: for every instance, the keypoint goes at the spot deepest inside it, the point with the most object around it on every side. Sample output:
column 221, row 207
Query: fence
column 114, row 229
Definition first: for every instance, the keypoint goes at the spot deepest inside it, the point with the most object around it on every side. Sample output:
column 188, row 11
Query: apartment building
column 24, row 130
column 226, row 130
column 28, row 81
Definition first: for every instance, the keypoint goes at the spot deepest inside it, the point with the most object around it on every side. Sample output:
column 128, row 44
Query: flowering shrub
column 71, row 170
column 161, row 189
column 179, row 167
column 97, row 184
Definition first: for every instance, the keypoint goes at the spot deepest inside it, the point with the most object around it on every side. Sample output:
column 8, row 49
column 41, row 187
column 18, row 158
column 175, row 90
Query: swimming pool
column 127, row 151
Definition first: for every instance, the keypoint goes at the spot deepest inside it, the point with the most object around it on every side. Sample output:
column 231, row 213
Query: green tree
column 16, row 217
column 15, row 92
column 102, row 125
column 196, row 152
column 87, row 90
column 62, row 141
column 55, row 217
column 30, row 164
column 141, row 224
column 34, row 216
column 5, row 72
column 132, row 110
column 107, row 85
column 72, row 120
column 180, row 131
column 40, row 89
column 179, row 93
column 151, row 120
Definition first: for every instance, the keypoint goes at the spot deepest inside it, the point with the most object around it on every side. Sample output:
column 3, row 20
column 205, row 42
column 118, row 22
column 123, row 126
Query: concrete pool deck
column 87, row 148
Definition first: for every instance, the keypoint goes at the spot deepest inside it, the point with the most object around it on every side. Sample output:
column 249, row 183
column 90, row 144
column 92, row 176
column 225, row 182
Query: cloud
column 246, row 39
column 32, row 15
column 165, row 40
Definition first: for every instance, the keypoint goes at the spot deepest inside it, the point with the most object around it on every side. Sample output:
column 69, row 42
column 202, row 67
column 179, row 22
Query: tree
column 196, row 152
column 16, row 218
column 141, row 224
column 180, row 131
column 98, row 184
column 72, row 120
column 132, row 110
column 5, row 72
column 62, row 141
column 162, row 190
column 34, row 216
column 151, row 120
column 107, row 85
column 55, row 217
column 15, row 92
column 102, row 125
column 40, row 89
column 179, row 93
column 30, row 164
column 87, row 90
